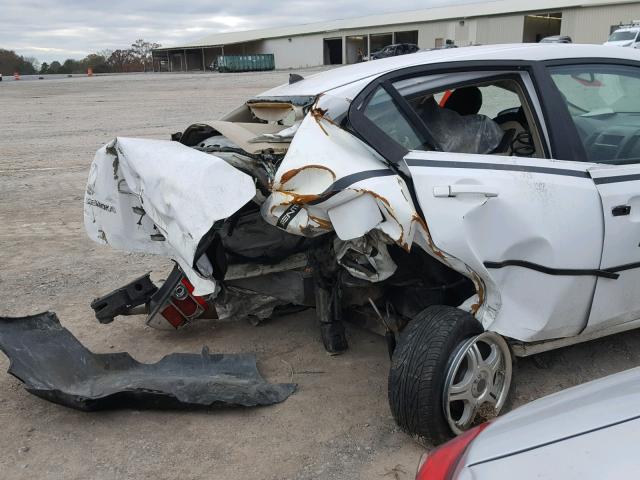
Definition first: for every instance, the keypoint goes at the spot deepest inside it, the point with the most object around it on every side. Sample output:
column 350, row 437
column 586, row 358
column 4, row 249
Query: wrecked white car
column 475, row 204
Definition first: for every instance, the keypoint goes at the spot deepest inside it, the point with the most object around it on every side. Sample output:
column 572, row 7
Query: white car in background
column 589, row 432
column 625, row 37
column 475, row 203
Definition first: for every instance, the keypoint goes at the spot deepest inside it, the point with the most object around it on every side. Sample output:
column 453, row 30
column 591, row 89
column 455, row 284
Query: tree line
column 134, row 59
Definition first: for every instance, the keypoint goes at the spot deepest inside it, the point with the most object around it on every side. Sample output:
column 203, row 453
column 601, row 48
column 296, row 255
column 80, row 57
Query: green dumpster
column 246, row 63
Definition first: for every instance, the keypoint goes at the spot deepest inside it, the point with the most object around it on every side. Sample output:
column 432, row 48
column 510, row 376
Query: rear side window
column 604, row 104
column 385, row 113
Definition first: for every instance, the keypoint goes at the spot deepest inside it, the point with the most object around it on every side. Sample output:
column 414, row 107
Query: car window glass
column 623, row 35
column 604, row 104
column 383, row 111
column 496, row 100
column 483, row 118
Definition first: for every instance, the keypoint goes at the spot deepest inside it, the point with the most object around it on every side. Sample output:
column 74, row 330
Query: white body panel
column 589, row 431
column 608, row 453
column 331, row 79
column 322, row 157
column 554, row 220
column 618, row 301
column 181, row 191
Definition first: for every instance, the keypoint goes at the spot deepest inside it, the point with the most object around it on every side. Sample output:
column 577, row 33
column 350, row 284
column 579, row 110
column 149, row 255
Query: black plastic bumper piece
column 55, row 366
column 123, row 299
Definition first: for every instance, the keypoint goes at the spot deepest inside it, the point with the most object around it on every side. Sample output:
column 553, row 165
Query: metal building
column 338, row 41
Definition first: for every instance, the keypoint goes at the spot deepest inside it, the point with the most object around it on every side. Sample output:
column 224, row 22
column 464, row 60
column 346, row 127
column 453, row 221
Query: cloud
column 60, row 29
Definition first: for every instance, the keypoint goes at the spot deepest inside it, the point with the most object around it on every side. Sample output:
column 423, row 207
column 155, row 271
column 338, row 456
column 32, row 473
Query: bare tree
column 143, row 51
column 33, row 61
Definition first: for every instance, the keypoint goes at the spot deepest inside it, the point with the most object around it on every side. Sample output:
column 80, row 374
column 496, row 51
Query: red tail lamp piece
column 442, row 462
column 175, row 302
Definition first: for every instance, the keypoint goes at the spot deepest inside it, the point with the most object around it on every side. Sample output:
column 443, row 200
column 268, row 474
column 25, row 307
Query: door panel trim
column 608, row 273
column 497, row 166
column 616, row 179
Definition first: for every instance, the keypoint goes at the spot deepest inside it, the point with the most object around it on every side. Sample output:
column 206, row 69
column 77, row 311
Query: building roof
column 338, row 77
column 458, row 11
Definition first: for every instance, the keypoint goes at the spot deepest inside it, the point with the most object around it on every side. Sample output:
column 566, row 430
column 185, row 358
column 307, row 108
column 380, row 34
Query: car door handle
column 459, row 189
column 621, row 210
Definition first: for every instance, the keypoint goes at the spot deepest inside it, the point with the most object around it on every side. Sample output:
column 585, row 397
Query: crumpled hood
column 161, row 197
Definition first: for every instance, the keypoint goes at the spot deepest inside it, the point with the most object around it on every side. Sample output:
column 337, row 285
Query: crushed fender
column 55, row 366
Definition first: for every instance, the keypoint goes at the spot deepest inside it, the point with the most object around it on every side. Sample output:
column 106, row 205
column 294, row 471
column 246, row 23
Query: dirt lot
column 337, row 426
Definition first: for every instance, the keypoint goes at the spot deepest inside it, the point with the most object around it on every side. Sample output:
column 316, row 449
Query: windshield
column 622, row 35
column 590, row 91
column 604, row 103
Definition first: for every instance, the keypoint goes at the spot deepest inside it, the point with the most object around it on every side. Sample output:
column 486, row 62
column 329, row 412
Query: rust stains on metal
column 432, row 245
column 301, row 199
column 400, row 240
column 481, row 294
column 322, row 223
column 375, row 195
column 319, row 114
column 294, row 199
column 288, row 175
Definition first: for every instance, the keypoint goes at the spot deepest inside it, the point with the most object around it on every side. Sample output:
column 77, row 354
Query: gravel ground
column 338, row 424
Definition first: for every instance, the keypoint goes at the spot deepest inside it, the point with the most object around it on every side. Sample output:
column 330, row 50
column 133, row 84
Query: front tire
column 447, row 374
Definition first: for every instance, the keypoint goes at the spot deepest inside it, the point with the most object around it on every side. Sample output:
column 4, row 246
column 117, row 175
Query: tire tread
column 418, row 370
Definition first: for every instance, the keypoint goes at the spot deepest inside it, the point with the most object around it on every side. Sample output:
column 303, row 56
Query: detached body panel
column 54, row 365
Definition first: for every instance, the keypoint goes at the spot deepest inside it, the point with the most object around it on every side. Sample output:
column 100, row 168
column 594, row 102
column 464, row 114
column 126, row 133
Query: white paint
column 551, row 220
column 182, row 191
column 618, row 301
column 356, row 217
column 328, row 80
column 321, row 154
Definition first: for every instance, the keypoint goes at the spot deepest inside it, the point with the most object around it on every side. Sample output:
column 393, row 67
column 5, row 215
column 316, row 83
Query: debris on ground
column 55, row 366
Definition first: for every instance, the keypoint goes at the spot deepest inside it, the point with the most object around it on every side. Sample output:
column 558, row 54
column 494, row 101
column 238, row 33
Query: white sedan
column 477, row 203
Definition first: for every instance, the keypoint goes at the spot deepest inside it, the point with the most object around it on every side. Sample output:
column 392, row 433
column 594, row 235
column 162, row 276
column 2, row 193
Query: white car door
column 531, row 228
column 603, row 100
column 617, row 300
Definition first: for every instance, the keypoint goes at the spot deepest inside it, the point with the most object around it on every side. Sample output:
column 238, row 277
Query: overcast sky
column 60, row 29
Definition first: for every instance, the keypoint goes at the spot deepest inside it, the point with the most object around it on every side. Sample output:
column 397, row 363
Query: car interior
column 481, row 117
column 495, row 110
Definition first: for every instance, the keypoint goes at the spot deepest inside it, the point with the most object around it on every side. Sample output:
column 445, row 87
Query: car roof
column 576, row 411
column 337, row 77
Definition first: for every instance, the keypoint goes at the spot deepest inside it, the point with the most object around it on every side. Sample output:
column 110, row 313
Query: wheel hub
column 477, row 381
column 479, row 385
